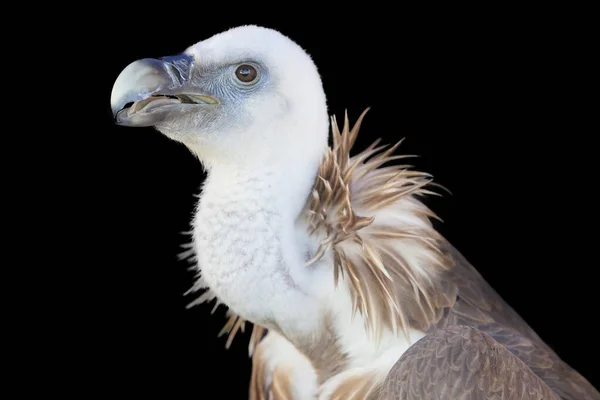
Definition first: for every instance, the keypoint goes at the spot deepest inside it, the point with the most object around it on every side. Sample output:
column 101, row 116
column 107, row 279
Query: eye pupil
column 246, row 73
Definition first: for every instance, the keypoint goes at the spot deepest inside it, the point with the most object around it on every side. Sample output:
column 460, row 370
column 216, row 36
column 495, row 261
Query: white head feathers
column 281, row 117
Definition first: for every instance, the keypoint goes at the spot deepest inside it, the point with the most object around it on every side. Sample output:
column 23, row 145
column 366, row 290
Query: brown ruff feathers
column 386, row 287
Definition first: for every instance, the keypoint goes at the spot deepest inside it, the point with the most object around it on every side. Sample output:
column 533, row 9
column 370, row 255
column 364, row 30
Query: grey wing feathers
column 462, row 363
column 479, row 306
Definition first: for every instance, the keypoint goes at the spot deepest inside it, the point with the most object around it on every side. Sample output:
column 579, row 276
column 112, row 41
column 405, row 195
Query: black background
column 481, row 99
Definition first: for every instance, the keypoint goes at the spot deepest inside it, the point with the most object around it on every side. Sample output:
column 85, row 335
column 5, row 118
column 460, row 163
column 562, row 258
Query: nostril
column 178, row 67
column 175, row 72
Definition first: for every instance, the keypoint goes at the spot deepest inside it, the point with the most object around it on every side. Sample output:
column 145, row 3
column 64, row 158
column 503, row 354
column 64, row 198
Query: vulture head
column 247, row 95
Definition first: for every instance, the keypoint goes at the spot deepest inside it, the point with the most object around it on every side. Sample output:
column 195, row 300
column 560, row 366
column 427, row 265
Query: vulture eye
column 246, row 73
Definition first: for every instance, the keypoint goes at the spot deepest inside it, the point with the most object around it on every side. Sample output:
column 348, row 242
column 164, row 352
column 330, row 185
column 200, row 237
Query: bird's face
column 235, row 90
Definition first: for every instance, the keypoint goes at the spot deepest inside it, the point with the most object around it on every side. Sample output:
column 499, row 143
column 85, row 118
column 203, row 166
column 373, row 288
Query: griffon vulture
column 351, row 291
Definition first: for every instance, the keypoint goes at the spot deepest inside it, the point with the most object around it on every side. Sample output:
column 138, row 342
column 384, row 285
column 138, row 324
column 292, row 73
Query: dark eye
column 246, row 73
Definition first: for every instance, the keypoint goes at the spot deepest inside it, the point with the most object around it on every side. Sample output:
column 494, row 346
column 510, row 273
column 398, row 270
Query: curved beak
column 148, row 89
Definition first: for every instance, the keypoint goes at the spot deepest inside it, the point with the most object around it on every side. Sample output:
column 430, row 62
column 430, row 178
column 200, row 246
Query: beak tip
column 137, row 81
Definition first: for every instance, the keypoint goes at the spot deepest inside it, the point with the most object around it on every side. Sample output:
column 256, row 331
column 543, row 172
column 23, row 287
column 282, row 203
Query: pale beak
column 147, row 90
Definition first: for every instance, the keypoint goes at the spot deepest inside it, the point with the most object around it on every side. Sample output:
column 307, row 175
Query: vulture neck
column 246, row 240
column 281, row 189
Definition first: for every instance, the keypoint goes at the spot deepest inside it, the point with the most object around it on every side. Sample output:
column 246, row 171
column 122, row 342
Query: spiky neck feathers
column 379, row 233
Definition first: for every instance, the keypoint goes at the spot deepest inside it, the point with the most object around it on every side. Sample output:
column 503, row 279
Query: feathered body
column 403, row 281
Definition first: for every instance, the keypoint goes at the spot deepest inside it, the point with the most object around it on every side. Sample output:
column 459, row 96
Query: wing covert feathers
column 461, row 362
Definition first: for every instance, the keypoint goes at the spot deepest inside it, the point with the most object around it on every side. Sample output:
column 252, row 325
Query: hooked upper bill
column 147, row 90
